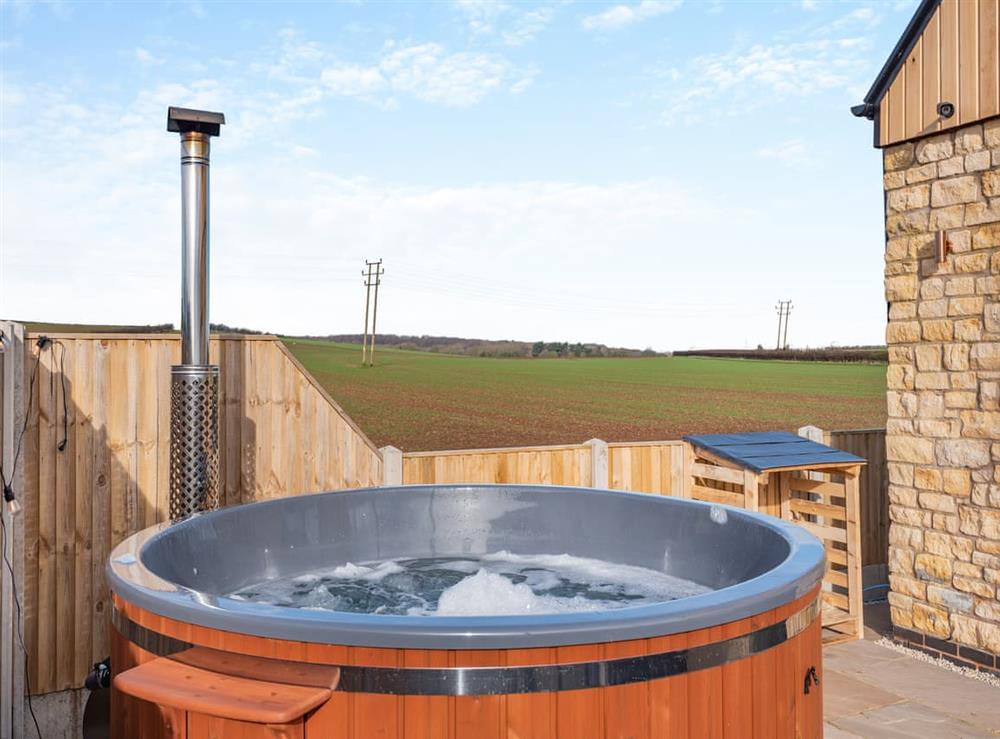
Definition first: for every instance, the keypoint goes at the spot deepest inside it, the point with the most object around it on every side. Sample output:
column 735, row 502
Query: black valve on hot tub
column 100, row 675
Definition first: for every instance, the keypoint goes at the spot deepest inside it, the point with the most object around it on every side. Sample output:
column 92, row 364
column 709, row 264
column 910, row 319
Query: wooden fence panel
column 873, row 490
column 96, row 467
column 555, row 465
column 643, row 467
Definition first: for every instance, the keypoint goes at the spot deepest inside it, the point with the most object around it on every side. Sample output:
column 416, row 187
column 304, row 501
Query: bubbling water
column 497, row 584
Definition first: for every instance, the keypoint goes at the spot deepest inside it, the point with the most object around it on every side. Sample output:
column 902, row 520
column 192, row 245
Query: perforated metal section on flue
column 194, row 447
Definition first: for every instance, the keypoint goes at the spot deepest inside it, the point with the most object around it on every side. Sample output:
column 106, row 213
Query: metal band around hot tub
column 530, row 678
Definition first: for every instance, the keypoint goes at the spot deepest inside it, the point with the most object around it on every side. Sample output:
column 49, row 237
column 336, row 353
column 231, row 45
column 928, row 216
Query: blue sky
column 642, row 173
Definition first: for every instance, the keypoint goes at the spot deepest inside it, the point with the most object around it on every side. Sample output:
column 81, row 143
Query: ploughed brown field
column 424, row 401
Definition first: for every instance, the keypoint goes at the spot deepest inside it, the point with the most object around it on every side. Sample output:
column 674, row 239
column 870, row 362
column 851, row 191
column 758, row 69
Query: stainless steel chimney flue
column 194, row 390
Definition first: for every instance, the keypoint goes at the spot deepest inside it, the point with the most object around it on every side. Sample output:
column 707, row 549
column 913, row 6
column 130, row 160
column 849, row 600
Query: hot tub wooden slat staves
column 761, row 695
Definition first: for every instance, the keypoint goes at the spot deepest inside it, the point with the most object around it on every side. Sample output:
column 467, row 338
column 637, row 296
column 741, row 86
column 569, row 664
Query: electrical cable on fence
column 11, row 499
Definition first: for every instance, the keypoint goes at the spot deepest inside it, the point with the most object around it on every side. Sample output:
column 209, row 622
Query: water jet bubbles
column 718, row 514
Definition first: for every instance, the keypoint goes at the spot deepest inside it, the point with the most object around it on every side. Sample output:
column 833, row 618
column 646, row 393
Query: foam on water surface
column 495, row 584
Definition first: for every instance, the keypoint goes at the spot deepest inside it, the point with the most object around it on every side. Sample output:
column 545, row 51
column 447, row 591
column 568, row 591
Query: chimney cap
column 182, row 120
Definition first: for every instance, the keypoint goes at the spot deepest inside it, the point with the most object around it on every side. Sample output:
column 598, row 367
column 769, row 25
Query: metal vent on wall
column 194, row 448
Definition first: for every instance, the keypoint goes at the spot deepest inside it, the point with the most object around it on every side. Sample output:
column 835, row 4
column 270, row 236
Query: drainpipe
column 194, row 385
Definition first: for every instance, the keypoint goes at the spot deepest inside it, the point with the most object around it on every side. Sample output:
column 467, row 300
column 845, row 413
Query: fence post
column 14, row 406
column 599, row 477
column 392, row 466
column 813, row 433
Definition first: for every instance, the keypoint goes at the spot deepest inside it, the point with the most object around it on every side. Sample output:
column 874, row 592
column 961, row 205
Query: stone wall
column 943, row 432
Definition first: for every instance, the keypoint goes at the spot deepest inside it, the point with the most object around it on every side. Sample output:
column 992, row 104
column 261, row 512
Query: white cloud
column 146, row 57
column 793, row 153
column 514, row 24
column 810, row 4
column 426, row 72
column 620, row 16
column 762, row 75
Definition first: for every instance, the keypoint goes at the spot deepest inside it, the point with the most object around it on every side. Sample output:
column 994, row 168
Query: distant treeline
column 153, row 328
column 878, row 354
column 485, row 348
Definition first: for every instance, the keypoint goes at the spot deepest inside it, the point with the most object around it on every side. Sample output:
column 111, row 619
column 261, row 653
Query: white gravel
column 942, row 663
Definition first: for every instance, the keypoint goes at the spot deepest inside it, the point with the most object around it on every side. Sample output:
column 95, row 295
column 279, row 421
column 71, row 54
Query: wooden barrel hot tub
column 741, row 660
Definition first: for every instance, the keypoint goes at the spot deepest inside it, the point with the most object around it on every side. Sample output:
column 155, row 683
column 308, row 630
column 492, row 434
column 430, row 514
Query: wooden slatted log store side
column 955, row 59
column 96, row 466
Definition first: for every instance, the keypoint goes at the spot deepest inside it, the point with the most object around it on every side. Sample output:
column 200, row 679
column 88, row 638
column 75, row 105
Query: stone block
column 965, row 630
column 932, row 149
column 908, row 198
column 968, row 329
column 964, row 285
column 903, row 332
column 969, row 139
column 932, row 567
column 927, row 478
column 956, row 357
column 989, row 637
column 980, row 424
column 912, row 449
column 956, row 482
column 974, row 262
column 960, row 399
column 986, row 236
column 899, row 377
column 909, row 516
column 945, row 522
column 986, row 355
column 899, row 248
column 965, row 306
column 951, row 166
column 939, row 429
column 955, row 190
column 936, row 502
column 975, row 213
column 968, row 453
column 991, row 184
column 953, row 600
column 933, row 308
column 971, row 585
column 937, row 330
column 933, row 381
column 977, row 161
column 989, row 395
column 908, row 586
column 892, row 180
column 906, row 537
column 931, row 405
column 898, row 157
column 902, row 310
column 901, row 224
column 964, row 380
column 903, row 496
column 902, row 287
column 991, row 317
column 932, row 289
column 943, row 219
column 991, row 133
column 946, row 545
column 931, row 620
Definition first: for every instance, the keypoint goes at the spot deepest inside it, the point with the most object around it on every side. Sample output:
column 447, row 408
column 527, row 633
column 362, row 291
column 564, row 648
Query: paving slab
column 874, row 691
column 908, row 720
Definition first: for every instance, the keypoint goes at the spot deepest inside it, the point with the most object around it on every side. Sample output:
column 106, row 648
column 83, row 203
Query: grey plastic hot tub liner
column 755, row 562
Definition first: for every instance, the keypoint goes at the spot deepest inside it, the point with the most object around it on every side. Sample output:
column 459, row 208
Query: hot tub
column 740, row 660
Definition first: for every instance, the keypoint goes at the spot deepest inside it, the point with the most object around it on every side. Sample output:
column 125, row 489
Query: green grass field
column 420, row 401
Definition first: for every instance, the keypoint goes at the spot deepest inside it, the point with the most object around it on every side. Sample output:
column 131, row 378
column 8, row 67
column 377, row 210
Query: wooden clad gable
column 950, row 54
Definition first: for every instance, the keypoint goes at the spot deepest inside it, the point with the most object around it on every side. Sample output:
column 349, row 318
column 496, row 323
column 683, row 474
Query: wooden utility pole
column 372, row 273
column 378, row 281
column 788, row 311
column 784, row 307
column 368, row 292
